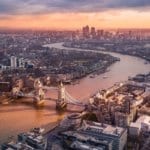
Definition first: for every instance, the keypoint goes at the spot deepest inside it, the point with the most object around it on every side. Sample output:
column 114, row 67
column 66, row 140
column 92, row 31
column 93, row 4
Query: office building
column 13, row 62
column 117, row 135
column 86, row 31
column 21, row 63
column 93, row 32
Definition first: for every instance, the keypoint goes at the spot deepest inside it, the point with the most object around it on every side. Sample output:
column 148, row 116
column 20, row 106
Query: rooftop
column 102, row 128
column 144, row 119
column 84, row 137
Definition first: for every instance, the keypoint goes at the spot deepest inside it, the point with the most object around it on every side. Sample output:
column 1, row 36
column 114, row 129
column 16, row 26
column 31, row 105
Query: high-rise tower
column 13, row 62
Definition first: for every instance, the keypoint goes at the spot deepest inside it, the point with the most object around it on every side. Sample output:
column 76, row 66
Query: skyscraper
column 100, row 33
column 85, row 31
column 13, row 62
column 93, row 32
column 21, row 63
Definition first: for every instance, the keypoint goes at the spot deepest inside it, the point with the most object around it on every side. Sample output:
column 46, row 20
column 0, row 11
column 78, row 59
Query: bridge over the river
column 38, row 95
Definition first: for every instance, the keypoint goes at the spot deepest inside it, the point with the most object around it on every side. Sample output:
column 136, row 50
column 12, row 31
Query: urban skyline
column 74, row 74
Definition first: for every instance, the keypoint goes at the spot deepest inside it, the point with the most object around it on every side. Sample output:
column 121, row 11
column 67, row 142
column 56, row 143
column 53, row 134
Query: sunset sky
column 73, row 14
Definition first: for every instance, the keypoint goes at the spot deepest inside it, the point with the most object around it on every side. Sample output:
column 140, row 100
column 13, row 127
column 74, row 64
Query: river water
column 20, row 117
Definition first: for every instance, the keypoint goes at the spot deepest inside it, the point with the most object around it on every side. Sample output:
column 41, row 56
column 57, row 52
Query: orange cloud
column 108, row 19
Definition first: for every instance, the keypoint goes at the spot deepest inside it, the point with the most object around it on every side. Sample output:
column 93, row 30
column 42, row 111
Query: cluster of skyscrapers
column 91, row 32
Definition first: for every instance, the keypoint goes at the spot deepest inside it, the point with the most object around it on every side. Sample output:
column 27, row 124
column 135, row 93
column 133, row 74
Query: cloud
column 12, row 7
column 128, row 3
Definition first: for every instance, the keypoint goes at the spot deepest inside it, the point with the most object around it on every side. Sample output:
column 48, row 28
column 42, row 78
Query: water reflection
column 18, row 118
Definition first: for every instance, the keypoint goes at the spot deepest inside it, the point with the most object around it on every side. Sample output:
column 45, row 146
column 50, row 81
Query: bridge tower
column 16, row 92
column 60, row 102
column 39, row 94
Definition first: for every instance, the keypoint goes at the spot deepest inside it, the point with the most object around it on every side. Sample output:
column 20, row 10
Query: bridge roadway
column 68, row 98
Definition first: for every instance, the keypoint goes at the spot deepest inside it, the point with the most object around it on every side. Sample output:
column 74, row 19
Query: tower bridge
column 38, row 95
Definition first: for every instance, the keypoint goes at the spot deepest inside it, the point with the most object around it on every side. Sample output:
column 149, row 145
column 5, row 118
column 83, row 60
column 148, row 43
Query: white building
column 13, row 62
column 141, row 125
column 134, row 129
column 117, row 135
column 145, row 123
column 21, row 63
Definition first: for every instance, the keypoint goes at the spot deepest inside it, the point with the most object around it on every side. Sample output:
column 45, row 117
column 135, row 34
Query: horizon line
column 72, row 29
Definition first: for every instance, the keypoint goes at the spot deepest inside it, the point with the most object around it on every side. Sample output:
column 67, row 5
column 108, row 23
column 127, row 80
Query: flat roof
column 144, row 119
column 105, row 128
column 85, row 137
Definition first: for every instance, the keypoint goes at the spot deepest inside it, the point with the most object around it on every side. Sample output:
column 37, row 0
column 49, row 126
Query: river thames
column 16, row 118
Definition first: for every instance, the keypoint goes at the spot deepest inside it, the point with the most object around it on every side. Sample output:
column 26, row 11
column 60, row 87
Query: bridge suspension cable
column 72, row 100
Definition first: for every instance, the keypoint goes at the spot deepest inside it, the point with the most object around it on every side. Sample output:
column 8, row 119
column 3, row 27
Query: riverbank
column 136, row 89
column 120, row 106
column 111, row 47
column 21, row 118
column 77, row 64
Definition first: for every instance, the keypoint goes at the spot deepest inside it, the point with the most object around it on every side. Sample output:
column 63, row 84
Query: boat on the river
column 105, row 77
